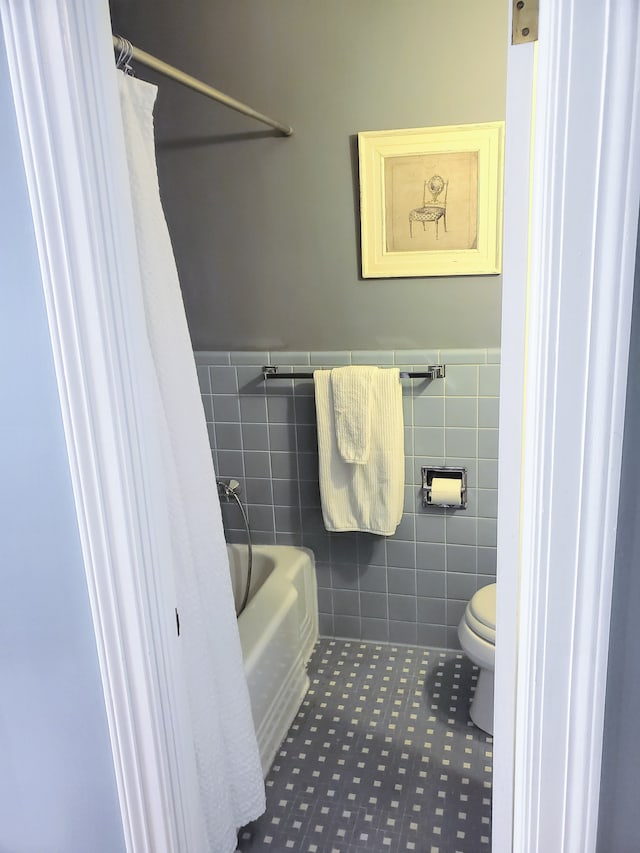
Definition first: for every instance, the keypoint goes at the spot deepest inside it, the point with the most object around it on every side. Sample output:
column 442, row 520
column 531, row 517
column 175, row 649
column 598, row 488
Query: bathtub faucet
column 228, row 489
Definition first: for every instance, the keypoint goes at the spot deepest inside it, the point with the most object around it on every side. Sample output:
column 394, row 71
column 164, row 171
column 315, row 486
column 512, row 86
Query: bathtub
column 278, row 630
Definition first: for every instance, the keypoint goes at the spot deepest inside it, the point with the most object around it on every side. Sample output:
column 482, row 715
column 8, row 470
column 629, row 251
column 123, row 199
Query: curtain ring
column 125, row 55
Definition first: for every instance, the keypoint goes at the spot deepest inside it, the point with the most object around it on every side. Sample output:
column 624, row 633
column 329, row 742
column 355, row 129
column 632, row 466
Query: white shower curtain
column 225, row 757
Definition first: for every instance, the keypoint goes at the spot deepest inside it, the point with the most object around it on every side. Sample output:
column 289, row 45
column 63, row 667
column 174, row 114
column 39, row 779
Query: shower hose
column 230, row 490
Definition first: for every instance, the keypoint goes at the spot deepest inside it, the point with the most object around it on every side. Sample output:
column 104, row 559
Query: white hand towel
column 366, row 497
column 351, row 393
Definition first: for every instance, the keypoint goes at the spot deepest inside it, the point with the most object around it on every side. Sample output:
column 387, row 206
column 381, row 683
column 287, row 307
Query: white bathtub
column 278, row 630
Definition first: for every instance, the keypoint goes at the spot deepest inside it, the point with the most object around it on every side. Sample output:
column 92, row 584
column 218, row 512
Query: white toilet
column 477, row 635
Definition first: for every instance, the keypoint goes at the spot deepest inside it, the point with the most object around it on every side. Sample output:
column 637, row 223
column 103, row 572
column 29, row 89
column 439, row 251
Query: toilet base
column 481, row 711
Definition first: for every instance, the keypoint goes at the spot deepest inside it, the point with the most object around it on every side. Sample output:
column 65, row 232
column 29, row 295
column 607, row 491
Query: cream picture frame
column 431, row 201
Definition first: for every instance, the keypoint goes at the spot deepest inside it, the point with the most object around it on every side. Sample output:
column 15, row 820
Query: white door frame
column 68, row 111
column 566, row 322
column 556, row 532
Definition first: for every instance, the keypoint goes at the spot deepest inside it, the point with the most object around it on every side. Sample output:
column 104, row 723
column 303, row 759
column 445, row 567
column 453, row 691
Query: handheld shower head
column 230, row 489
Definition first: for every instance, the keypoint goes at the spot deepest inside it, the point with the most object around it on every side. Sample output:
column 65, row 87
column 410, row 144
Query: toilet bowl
column 477, row 635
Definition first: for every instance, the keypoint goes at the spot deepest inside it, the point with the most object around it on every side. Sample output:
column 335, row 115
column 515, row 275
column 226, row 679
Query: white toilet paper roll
column 446, row 491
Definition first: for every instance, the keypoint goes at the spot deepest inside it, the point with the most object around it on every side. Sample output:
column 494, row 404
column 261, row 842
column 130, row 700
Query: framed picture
column 431, row 201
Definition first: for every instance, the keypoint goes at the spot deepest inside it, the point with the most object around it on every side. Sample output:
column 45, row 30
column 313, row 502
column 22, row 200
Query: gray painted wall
column 57, row 786
column 266, row 230
column 620, row 781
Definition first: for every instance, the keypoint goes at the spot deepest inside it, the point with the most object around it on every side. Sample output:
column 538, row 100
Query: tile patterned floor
column 381, row 757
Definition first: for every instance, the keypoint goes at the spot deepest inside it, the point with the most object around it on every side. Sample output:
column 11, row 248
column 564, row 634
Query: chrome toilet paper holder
column 431, row 472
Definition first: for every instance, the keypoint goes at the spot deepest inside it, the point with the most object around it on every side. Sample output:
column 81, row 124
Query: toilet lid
column 481, row 613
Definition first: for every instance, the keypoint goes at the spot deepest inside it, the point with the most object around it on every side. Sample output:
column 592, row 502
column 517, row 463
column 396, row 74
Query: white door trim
column 515, row 271
column 63, row 79
column 575, row 321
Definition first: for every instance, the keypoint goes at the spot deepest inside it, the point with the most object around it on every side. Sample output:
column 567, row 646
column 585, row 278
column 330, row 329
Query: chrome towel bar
column 433, row 371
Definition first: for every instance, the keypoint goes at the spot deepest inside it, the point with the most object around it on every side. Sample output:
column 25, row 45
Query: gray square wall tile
column 487, row 531
column 203, row 378
column 461, row 412
column 223, row 380
column 280, row 409
column 428, row 412
column 432, row 585
column 207, row 405
column 487, row 558
column 489, row 376
column 432, row 611
column 255, row 437
column 287, row 519
column 284, row 465
column 488, row 412
column 346, row 626
column 402, row 608
column 285, row 492
column 461, row 381
column 461, row 586
column 372, row 550
column 259, row 491
column 325, row 600
column 401, row 581
column 373, row 605
column 261, row 517
column 230, row 463
column 373, row 579
column 403, row 632
column 250, row 380
column 488, row 443
column 228, row 436
column 253, row 409
column 455, row 611
column 429, row 441
column 430, row 527
column 431, row 557
column 376, row 630
column 226, row 408
column 461, row 531
column 462, row 558
column 344, row 549
column 257, row 463
column 346, row 602
column 461, row 441
column 488, row 474
column 282, row 437
column 401, row 554
column 488, row 503
column 432, row 636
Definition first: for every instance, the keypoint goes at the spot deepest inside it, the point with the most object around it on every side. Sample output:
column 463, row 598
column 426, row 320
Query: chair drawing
column 434, row 209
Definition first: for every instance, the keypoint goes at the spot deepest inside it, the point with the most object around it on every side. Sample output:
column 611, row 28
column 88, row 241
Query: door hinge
column 525, row 21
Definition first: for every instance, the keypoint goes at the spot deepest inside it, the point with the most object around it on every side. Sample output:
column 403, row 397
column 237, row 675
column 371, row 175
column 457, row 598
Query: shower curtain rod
column 128, row 52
